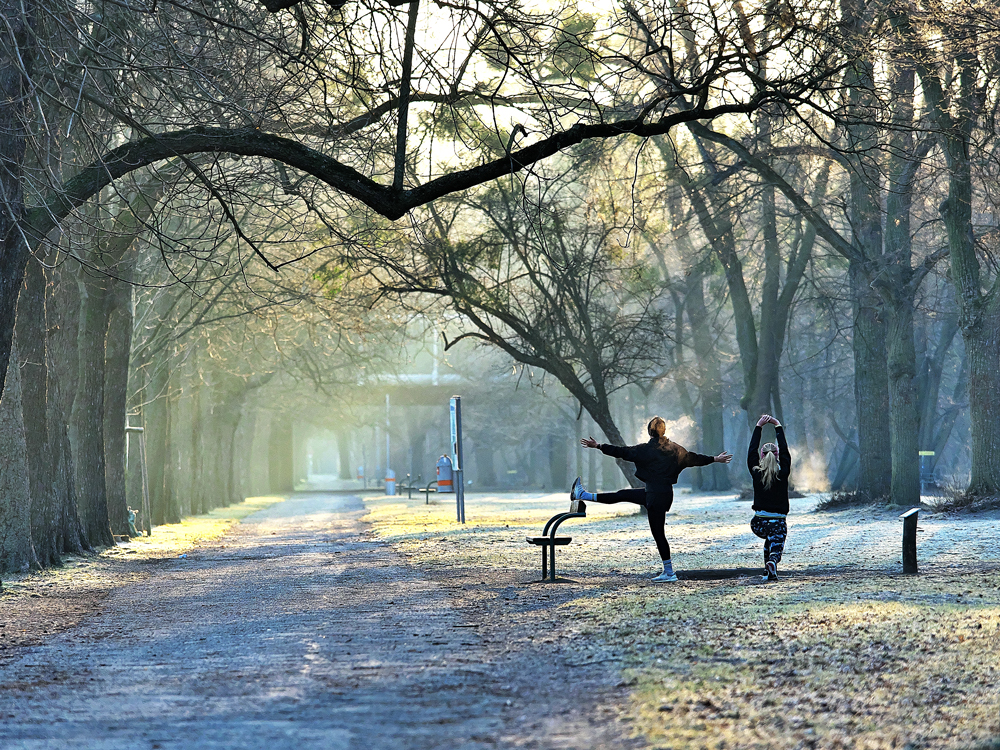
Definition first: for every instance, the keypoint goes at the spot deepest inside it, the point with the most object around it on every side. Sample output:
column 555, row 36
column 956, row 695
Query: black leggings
column 656, row 504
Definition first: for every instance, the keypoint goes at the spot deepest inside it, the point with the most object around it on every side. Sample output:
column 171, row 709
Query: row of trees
column 871, row 174
column 165, row 163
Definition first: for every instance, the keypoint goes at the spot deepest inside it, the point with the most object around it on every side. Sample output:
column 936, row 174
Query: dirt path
column 302, row 631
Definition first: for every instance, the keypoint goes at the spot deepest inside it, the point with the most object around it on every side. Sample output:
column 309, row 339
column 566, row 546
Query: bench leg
column 545, row 562
column 552, row 569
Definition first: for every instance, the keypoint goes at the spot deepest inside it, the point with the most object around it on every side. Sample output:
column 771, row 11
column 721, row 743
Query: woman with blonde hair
column 769, row 466
column 657, row 463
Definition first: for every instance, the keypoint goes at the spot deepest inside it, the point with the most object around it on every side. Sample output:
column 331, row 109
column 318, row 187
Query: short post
column 910, row 541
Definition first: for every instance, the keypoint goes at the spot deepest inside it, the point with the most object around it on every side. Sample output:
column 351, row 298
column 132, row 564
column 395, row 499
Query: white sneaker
column 665, row 578
column 576, row 505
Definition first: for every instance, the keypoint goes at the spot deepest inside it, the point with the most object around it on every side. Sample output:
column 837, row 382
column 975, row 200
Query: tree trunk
column 601, row 414
column 345, row 471
column 62, row 308
column 982, row 345
column 714, row 478
column 259, row 482
column 87, row 419
column 929, row 382
column 980, row 321
column 71, row 536
column 242, row 456
column 947, row 423
column 156, row 424
column 201, row 414
column 210, row 484
column 228, row 465
column 558, row 462
column 17, row 54
column 280, row 455
column 592, row 458
column 955, row 117
column 30, row 336
column 768, row 344
column 904, row 418
column 17, row 553
column 871, row 389
column 904, row 425
column 183, row 425
column 119, row 346
column 485, row 464
column 847, row 468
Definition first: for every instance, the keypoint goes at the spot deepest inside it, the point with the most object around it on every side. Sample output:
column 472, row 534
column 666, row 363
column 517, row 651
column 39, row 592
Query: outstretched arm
column 624, row 452
column 690, row 459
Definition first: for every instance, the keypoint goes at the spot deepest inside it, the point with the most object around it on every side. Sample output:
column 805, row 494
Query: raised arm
column 753, row 452
column 784, row 457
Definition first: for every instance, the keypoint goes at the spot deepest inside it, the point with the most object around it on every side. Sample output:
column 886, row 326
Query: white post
column 456, row 452
column 387, row 435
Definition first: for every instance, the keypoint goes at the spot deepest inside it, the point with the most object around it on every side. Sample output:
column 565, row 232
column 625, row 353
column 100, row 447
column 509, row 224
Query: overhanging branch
column 389, row 202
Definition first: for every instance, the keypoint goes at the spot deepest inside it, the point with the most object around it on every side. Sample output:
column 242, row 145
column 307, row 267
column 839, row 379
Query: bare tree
column 545, row 283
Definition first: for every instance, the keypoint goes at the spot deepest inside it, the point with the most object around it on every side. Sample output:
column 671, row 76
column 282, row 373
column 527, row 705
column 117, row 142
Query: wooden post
column 910, row 541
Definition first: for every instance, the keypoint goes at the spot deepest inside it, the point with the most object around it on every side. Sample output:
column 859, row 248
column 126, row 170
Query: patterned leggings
column 773, row 531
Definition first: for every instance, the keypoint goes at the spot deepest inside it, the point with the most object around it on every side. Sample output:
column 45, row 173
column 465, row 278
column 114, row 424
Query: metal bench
column 427, row 490
column 548, row 541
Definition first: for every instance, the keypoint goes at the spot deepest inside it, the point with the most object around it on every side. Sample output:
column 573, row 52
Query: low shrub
column 954, row 500
column 850, row 499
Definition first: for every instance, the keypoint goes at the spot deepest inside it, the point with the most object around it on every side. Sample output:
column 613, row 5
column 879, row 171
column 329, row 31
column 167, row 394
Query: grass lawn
column 843, row 652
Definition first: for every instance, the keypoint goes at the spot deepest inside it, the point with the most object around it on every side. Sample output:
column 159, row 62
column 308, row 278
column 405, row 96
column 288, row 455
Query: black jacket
column 657, row 468
column 773, row 499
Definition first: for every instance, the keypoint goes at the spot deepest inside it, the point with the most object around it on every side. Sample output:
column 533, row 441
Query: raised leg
column 635, row 495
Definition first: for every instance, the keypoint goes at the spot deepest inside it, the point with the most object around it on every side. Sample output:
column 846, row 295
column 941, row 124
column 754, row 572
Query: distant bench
column 548, row 541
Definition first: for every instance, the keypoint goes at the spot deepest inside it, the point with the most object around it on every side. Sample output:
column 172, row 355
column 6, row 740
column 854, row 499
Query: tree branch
column 393, row 204
column 823, row 227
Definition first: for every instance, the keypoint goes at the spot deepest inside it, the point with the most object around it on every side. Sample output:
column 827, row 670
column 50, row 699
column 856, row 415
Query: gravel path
column 300, row 630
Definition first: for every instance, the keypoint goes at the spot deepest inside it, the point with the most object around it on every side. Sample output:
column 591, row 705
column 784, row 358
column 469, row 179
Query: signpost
column 458, row 465
column 926, row 469
column 147, row 515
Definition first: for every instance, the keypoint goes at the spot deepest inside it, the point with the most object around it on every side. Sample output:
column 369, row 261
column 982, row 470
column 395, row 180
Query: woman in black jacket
column 657, row 463
column 769, row 467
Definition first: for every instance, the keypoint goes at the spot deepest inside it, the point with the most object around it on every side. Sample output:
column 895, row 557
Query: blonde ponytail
column 657, row 428
column 768, row 466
